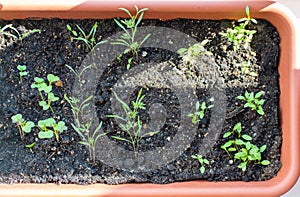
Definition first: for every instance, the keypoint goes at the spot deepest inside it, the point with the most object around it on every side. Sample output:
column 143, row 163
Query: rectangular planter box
column 289, row 72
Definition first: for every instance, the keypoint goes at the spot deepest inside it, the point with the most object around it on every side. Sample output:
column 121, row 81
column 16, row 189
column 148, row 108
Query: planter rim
column 280, row 16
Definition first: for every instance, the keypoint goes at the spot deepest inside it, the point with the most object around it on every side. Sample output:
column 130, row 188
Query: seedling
column 42, row 86
column 199, row 113
column 89, row 138
column 242, row 148
column 253, row 101
column 202, row 162
column 49, row 128
column 88, row 39
column 132, row 123
column 130, row 27
column 189, row 55
column 29, row 32
column 246, row 69
column 239, row 35
column 22, row 71
column 30, row 146
column 23, row 126
column 75, row 72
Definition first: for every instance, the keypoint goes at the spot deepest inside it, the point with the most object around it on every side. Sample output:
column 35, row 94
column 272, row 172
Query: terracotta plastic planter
column 278, row 15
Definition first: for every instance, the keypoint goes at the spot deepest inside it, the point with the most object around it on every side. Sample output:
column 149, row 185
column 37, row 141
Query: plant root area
column 67, row 161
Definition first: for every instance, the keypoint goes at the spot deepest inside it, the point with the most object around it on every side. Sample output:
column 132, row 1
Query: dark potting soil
column 67, row 161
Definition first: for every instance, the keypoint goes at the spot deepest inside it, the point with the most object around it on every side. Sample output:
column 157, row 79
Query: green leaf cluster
column 253, row 101
column 89, row 137
column 200, row 112
column 23, row 126
column 243, row 149
column 132, row 124
column 22, row 71
column 202, row 162
column 49, row 128
column 189, row 55
column 42, row 86
column 239, row 35
column 130, row 28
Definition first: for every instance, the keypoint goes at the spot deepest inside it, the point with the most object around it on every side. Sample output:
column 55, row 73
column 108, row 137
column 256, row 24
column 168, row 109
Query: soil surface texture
column 167, row 87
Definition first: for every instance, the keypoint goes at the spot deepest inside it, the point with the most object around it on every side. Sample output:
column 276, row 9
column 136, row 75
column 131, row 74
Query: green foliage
column 239, row 35
column 22, row 71
column 200, row 112
column 132, row 124
column 189, row 55
column 29, row 32
column 75, row 72
column 89, row 138
column 243, row 149
column 88, row 39
column 202, row 162
column 30, row 146
column 49, row 128
column 23, row 126
column 253, row 101
column 42, row 86
column 247, row 70
column 130, row 27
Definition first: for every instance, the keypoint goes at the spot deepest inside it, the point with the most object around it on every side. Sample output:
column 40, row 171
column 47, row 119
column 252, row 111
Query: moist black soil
column 67, row 161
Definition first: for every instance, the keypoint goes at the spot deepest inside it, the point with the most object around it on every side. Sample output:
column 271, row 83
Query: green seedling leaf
column 17, row 118
column 202, row 169
column 227, row 134
column 52, row 78
column 246, row 137
column 28, row 126
column 52, row 98
column 21, row 68
column 262, row 148
column 46, row 134
column 44, row 104
column 265, row 162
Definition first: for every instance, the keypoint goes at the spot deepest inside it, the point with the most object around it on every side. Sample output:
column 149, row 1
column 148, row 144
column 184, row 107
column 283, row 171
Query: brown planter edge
column 289, row 71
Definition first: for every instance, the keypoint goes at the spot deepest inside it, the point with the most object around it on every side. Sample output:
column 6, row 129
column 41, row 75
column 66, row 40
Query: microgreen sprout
column 189, row 55
column 239, row 35
column 130, row 27
column 202, row 162
column 246, row 69
column 22, row 71
column 23, row 126
column 253, row 101
column 42, row 86
column 132, row 121
column 49, row 128
column 200, row 112
column 88, row 39
column 242, row 148
column 30, row 146
column 78, row 74
column 89, row 138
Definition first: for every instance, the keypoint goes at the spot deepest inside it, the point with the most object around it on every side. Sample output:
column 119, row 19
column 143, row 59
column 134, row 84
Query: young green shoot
column 42, row 86
column 202, row 162
column 189, row 55
column 253, row 101
column 89, row 137
column 49, row 128
column 30, row 146
column 239, row 35
column 80, row 73
column 23, row 126
column 22, row 71
column 243, row 149
column 89, row 39
column 132, row 122
column 130, row 28
column 200, row 112
column 246, row 69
